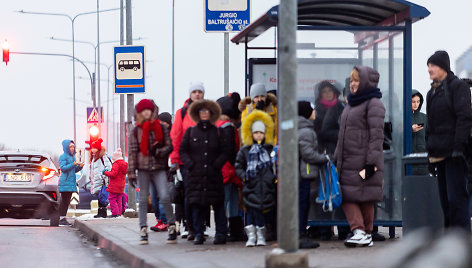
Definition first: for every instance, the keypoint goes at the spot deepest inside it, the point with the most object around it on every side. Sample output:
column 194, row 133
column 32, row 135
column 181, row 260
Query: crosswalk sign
column 92, row 115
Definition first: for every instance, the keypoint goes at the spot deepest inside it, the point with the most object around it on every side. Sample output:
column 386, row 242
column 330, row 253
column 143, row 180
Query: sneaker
column 184, row 234
column 370, row 236
column 155, row 228
column 64, row 222
column 199, row 240
column 307, row 243
column 172, row 239
column 377, row 236
column 164, row 227
column 359, row 238
column 144, row 236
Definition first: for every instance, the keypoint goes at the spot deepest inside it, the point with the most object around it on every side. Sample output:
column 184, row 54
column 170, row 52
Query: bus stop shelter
column 333, row 36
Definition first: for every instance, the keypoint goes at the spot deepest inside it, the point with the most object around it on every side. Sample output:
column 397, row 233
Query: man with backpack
column 182, row 122
column 449, row 127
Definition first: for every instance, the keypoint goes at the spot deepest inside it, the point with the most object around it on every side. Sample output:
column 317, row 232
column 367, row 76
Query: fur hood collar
column 101, row 154
column 244, row 103
column 246, row 128
column 195, row 107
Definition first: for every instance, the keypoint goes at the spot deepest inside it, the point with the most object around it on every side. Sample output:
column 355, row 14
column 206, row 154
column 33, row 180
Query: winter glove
column 260, row 105
column 103, row 172
column 173, row 168
column 369, row 171
column 132, row 182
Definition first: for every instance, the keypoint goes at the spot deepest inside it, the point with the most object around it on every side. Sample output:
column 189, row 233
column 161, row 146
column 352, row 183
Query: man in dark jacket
column 449, row 123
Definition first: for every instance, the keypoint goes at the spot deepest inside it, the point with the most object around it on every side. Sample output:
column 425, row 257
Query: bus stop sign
column 129, row 69
column 227, row 15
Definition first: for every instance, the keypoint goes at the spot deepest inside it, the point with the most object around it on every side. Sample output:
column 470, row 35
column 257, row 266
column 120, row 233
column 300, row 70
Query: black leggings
column 65, row 201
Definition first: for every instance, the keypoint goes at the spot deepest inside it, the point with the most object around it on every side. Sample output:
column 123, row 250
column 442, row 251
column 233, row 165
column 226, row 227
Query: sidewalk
column 121, row 237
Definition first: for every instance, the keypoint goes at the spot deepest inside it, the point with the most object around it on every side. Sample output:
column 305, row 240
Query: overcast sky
column 36, row 91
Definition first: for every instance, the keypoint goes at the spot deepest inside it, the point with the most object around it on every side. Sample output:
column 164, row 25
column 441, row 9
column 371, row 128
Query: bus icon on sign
column 129, row 64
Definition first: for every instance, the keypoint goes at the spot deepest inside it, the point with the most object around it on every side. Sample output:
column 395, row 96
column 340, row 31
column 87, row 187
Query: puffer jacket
column 67, row 181
column 117, row 176
column 258, row 193
column 93, row 171
column 179, row 127
column 246, row 106
column 419, row 138
column 308, row 145
column 448, row 128
column 360, row 143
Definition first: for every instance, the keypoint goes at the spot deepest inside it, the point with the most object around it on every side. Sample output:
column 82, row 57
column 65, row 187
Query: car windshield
column 16, row 160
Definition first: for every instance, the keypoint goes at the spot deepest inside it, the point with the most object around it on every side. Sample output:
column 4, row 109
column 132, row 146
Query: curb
column 130, row 256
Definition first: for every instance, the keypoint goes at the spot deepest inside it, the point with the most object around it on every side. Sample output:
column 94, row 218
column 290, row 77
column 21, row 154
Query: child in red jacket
column 116, row 187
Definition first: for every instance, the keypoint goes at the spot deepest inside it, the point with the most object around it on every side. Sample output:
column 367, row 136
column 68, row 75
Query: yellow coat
column 246, row 106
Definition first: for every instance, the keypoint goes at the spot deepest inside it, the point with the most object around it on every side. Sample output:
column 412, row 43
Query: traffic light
column 94, row 133
column 6, row 52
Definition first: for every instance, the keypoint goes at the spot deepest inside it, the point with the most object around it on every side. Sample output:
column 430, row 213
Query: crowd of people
column 225, row 152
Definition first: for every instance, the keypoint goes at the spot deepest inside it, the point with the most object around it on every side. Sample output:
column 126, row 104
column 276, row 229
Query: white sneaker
column 359, row 238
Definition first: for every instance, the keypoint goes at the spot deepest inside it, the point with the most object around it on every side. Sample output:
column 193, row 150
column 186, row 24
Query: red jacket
column 229, row 171
column 117, row 177
column 178, row 130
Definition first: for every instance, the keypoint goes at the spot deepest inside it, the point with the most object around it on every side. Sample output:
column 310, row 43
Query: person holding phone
column 418, row 129
column 359, row 154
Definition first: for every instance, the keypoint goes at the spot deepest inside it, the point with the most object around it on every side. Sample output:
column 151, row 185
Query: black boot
column 236, row 229
column 102, row 213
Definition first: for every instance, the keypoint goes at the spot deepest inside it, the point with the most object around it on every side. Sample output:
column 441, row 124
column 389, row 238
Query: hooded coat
column 419, row 138
column 326, row 123
column 246, row 106
column 258, row 193
column 117, row 176
column 68, row 180
column 308, row 145
column 203, row 152
column 93, row 171
column 179, row 127
column 448, row 125
column 360, row 143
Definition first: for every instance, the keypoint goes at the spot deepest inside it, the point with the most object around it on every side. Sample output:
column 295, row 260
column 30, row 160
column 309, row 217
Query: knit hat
column 97, row 144
column 440, row 58
column 257, row 89
column 145, row 104
column 258, row 126
column 305, row 109
column 117, row 155
column 196, row 86
column 166, row 117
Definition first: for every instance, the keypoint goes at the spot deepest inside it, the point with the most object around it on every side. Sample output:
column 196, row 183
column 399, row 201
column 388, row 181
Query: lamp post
column 72, row 21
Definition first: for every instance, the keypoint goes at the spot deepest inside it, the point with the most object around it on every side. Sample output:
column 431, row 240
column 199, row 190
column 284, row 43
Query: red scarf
column 148, row 126
column 328, row 104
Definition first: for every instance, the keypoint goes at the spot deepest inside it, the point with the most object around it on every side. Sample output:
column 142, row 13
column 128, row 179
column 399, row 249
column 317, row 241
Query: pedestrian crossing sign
column 92, row 115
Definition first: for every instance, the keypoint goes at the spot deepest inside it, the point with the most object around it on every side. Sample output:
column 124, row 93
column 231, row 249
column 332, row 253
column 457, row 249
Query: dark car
column 29, row 186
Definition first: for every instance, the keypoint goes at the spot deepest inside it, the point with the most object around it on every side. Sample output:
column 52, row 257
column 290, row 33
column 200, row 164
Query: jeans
column 303, row 204
column 156, row 205
column 199, row 214
column 255, row 217
column 116, row 203
column 65, row 201
column 452, row 183
column 231, row 200
column 159, row 178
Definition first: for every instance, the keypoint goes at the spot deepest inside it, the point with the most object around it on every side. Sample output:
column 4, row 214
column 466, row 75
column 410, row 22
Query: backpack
column 329, row 191
column 388, row 129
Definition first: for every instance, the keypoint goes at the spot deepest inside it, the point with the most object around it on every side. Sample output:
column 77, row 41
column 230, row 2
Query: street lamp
column 72, row 21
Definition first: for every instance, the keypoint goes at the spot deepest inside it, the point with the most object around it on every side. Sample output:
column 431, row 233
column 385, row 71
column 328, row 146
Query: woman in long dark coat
column 203, row 152
column 359, row 154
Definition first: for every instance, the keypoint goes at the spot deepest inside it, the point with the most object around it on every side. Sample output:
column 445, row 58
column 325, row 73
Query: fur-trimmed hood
column 195, row 107
column 244, row 103
column 101, row 154
column 246, row 128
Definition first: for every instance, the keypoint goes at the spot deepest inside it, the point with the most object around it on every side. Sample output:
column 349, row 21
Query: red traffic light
column 94, row 131
column 6, row 52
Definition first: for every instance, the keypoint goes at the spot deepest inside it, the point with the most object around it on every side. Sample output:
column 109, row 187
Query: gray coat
column 308, row 144
column 360, row 143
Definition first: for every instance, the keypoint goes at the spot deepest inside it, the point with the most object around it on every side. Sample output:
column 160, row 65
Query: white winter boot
column 251, row 235
column 261, row 240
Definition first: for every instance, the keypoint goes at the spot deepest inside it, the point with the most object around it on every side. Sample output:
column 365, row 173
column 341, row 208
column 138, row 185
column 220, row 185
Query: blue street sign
column 227, row 15
column 92, row 115
column 129, row 69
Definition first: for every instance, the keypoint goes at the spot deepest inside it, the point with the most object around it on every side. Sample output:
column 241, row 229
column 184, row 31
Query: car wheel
column 122, row 69
column 54, row 218
column 135, row 68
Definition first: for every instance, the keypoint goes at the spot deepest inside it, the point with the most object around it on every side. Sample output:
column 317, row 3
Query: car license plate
column 17, row 177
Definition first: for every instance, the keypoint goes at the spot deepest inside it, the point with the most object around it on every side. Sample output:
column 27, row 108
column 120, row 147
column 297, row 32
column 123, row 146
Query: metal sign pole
column 122, row 97
column 226, row 64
